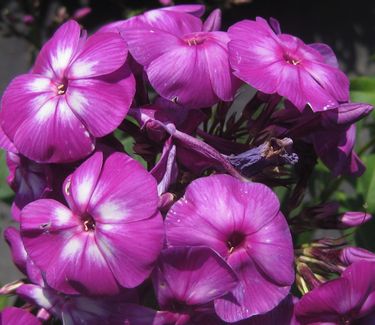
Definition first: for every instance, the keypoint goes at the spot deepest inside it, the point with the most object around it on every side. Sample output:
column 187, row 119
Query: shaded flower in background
column 283, row 64
column 187, row 280
column 28, row 179
column 343, row 300
column 14, row 315
column 73, row 309
column 92, row 246
column 242, row 222
column 47, row 113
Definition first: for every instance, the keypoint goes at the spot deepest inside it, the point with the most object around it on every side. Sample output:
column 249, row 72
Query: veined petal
column 119, row 194
column 58, row 52
column 81, row 184
column 131, row 249
column 53, row 134
column 327, row 53
column 19, row 255
column 111, row 102
column 272, row 245
column 193, row 9
column 254, row 294
column 46, row 226
column 102, row 54
column 146, row 45
column 172, row 21
column 182, row 76
column 222, row 80
column 81, row 266
column 5, row 142
column 22, row 99
column 191, row 275
column 322, row 305
column 332, row 79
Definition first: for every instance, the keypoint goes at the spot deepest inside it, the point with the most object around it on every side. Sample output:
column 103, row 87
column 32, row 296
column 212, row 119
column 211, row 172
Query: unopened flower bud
column 349, row 255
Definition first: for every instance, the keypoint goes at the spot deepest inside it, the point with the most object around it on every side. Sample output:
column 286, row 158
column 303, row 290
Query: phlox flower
column 242, row 222
column 71, row 309
column 349, row 299
column 79, row 89
column 108, row 238
column 185, row 60
column 281, row 63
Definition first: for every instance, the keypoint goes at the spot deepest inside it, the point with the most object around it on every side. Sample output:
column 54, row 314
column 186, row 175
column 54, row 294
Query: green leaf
column 363, row 90
column 4, row 302
column 366, row 190
column 5, row 191
column 366, row 183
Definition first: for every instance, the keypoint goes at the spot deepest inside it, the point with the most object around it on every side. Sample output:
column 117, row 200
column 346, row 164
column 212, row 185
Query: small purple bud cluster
column 196, row 234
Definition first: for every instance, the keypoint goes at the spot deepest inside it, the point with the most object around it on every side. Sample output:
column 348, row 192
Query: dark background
column 347, row 26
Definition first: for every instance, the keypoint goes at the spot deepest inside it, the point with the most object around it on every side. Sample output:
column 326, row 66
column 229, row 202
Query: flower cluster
column 141, row 198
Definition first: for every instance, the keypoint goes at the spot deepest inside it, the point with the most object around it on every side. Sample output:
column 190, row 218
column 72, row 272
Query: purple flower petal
column 102, row 54
column 131, row 249
column 255, row 294
column 14, row 315
column 327, row 53
column 91, row 273
column 157, row 43
column 119, row 196
column 322, row 303
column 5, row 142
column 22, row 99
column 191, row 275
column 57, row 134
column 223, row 82
column 41, row 221
column 193, row 9
column 59, row 51
column 111, row 102
column 19, row 255
column 174, row 22
column 274, row 233
column 81, row 184
column 213, row 21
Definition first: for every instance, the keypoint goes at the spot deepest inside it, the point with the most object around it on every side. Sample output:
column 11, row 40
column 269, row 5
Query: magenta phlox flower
column 185, row 61
column 71, row 309
column 108, row 238
column 283, row 64
column 349, row 299
column 29, row 180
column 14, row 315
column 188, row 279
column 78, row 90
column 242, row 222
